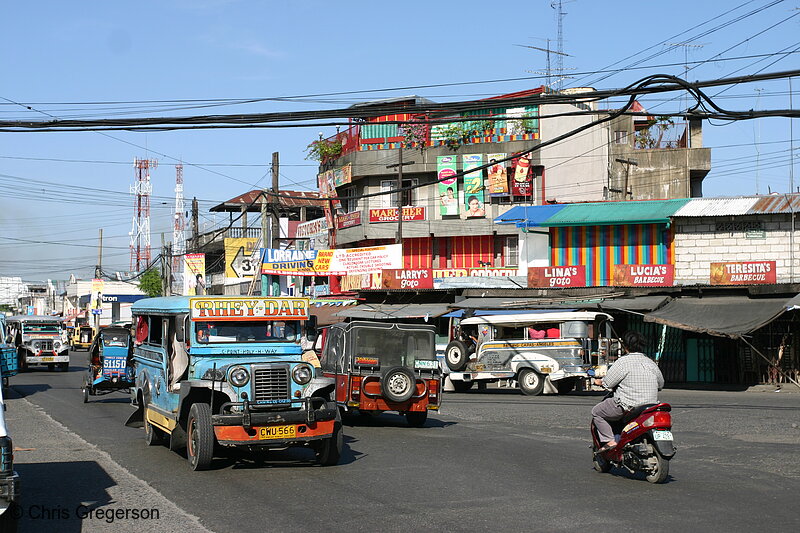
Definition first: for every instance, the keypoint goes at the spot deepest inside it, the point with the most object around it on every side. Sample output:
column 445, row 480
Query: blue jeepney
column 109, row 357
column 228, row 370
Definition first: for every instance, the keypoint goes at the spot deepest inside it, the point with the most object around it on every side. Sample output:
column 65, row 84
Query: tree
column 150, row 283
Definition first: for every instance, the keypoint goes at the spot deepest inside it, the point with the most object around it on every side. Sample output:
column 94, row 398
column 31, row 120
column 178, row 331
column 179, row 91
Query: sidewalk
column 69, row 485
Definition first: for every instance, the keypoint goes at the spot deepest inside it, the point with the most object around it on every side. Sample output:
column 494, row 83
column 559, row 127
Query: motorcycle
column 644, row 443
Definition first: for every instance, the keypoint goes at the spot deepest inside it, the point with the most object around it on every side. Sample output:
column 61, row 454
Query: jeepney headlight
column 35, row 345
column 239, row 376
column 302, row 374
column 56, row 345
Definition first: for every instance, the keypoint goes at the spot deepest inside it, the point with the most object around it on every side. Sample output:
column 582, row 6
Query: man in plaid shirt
column 635, row 380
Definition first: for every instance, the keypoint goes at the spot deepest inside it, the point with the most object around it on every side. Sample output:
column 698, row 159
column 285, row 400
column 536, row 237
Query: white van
column 542, row 351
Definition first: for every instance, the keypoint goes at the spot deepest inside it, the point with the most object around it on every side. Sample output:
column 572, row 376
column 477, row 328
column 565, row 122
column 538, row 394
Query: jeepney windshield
column 42, row 327
column 393, row 347
column 116, row 341
column 222, row 331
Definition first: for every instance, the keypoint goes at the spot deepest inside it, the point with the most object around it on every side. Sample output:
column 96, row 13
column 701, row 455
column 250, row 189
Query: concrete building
column 116, row 300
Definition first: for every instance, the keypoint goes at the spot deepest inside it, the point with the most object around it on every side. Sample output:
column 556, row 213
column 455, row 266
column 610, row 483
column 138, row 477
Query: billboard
column 446, row 169
column 241, row 257
column 353, row 261
column 498, row 179
column 289, row 262
column 473, row 186
column 194, row 277
column 644, row 275
column 408, row 279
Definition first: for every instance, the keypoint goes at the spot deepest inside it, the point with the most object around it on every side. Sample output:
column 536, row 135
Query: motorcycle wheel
column 660, row 471
column 599, row 464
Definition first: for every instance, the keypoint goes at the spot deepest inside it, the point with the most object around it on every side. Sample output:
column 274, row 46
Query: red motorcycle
column 644, row 443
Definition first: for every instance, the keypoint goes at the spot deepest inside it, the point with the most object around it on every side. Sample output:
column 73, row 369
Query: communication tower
column 140, row 229
column 178, row 233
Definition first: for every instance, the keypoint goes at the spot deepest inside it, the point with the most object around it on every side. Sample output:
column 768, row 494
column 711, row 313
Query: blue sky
column 58, row 56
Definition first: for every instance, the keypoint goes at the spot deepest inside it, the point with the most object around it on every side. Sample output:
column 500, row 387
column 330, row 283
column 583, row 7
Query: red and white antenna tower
column 140, row 230
column 178, row 233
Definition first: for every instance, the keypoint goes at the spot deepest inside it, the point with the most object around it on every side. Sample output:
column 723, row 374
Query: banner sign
column 498, row 179
column 359, row 260
column 446, row 168
column 312, row 227
column 522, row 184
column 408, row 279
column 343, row 175
column 644, row 275
column 241, row 257
column 194, row 274
column 557, row 276
column 96, row 297
column 390, row 214
column 290, row 262
column 357, row 282
column 473, row 186
column 743, row 273
column 348, row 220
column 480, row 272
column 327, row 188
column 248, row 308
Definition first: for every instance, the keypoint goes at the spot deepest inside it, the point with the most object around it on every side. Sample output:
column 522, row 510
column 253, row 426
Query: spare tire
column 398, row 384
column 456, row 356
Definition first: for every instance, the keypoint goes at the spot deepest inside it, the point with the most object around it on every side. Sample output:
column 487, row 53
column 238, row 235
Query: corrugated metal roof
column 715, row 207
column 608, row 213
column 776, row 203
column 253, row 203
column 528, row 216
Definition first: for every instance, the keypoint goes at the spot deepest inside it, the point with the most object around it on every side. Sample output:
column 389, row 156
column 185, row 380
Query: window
column 511, row 251
column 620, row 137
column 409, row 195
column 350, row 204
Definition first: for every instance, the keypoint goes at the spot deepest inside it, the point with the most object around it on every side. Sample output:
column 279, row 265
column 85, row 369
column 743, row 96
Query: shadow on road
column 388, row 420
column 23, row 391
column 60, row 496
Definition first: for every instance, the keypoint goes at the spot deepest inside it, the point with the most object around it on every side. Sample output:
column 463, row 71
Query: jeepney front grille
column 271, row 384
column 46, row 346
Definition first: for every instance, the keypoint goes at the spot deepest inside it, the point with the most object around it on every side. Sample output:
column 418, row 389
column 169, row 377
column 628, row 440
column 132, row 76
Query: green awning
column 613, row 213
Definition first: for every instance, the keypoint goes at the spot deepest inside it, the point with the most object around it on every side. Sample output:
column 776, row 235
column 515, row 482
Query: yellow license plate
column 277, row 432
column 47, row 359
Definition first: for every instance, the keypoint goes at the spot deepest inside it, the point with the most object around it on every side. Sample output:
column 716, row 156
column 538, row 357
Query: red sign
column 522, row 184
column 348, row 220
column 644, row 275
column 390, row 214
column 557, row 276
column 482, row 272
column 408, row 279
column 744, row 273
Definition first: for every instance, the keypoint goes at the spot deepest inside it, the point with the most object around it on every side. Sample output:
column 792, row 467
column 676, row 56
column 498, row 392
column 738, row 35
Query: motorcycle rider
column 635, row 380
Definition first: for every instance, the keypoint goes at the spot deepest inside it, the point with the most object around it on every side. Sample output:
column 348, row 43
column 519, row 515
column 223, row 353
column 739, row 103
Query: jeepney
column 82, row 336
column 228, row 371
column 8, row 354
column 373, row 367
column 38, row 341
column 549, row 352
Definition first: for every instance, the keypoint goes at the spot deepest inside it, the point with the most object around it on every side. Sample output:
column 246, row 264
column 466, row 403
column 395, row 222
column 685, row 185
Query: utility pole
column 195, row 224
column 99, row 268
column 275, row 232
column 399, row 187
column 627, row 163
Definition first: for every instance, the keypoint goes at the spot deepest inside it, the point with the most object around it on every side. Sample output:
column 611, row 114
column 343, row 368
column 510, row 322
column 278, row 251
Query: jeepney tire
column 51, row 367
column 456, row 356
column 64, row 367
column 398, row 384
column 566, row 385
column 531, row 382
column 9, row 520
column 152, row 435
column 416, row 419
column 85, row 394
column 330, row 449
column 200, row 437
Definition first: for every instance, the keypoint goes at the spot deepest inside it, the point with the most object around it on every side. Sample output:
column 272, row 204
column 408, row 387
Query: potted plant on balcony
column 415, row 132
column 323, row 149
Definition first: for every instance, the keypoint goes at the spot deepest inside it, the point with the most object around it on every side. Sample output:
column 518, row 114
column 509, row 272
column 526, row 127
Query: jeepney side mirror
column 311, row 328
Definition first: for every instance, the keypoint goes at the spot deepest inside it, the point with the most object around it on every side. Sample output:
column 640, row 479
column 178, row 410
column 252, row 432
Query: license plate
column 46, row 359
column 427, row 365
column 659, row 434
column 277, row 432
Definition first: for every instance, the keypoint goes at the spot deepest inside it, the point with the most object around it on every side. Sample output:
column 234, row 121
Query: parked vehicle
column 109, row 363
column 9, row 363
column 223, row 370
column 644, row 443
column 373, row 367
column 9, row 480
column 82, row 337
column 543, row 352
column 37, row 340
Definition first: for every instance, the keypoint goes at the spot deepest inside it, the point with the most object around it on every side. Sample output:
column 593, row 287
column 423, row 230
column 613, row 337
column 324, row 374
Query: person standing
column 635, row 380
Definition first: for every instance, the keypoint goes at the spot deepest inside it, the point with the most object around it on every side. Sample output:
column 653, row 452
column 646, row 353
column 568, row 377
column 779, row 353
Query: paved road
column 493, row 460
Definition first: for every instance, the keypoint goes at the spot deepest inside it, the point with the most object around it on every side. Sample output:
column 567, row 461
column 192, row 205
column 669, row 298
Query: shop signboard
column 359, row 260
column 743, row 273
column 480, row 272
column 521, row 185
column 290, row 262
column 408, row 278
column 389, row 214
column 473, row 186
column 557, row 276
column 644, row 275
column 348, row 220
column 194, row 277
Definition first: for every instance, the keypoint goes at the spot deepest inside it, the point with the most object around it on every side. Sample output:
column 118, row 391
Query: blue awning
column 527, row 216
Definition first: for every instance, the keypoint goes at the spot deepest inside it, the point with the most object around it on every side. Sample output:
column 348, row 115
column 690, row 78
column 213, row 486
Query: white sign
column 366, row 260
